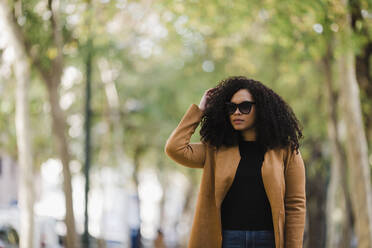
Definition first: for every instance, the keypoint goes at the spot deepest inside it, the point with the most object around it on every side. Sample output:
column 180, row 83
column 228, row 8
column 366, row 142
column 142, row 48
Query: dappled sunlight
column 91, row 92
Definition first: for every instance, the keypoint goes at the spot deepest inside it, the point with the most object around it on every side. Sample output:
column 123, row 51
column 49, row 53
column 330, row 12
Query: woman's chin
column 239, row 128
column 242, row 127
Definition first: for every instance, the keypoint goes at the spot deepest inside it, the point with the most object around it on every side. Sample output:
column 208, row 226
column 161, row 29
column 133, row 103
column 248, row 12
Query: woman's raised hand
column 205, row 98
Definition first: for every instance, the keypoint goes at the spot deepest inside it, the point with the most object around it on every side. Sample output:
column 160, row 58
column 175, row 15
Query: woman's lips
column 238, row 121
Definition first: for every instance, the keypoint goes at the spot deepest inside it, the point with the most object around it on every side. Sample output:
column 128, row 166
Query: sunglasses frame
column 227, row 104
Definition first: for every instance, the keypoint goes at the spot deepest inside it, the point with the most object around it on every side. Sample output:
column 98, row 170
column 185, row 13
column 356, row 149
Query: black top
column 246, row 206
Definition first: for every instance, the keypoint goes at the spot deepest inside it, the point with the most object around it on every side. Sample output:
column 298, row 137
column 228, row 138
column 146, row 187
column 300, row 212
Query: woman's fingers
column 210, row 90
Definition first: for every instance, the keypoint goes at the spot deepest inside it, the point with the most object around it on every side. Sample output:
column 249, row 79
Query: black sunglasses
column 244, row 107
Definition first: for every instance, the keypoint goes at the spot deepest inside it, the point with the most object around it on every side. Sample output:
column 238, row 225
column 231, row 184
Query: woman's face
column 240, row 121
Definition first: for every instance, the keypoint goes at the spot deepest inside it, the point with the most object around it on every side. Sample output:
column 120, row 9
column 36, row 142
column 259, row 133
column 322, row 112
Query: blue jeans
column 248, row 239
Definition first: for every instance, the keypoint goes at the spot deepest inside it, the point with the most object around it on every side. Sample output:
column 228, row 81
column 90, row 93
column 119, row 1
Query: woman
column 252, row 192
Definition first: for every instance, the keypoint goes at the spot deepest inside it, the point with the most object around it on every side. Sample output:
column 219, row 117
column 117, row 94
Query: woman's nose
column 237, row 109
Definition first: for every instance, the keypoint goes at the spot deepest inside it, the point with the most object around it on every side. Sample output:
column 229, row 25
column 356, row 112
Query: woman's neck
column 248, row 135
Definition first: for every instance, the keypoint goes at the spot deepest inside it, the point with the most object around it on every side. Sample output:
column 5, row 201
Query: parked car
column 45, row 235
column 9, row 237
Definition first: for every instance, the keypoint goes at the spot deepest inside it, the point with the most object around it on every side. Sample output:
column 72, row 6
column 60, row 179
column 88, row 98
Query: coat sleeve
column 178, row 146
column 295, row 200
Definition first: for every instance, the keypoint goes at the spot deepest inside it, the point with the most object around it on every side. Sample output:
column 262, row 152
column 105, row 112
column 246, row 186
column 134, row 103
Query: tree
column 26, row 195
column 356, row 143
column 51, row 73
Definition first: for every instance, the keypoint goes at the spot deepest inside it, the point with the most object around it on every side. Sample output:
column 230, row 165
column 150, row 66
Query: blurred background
column 91, row 89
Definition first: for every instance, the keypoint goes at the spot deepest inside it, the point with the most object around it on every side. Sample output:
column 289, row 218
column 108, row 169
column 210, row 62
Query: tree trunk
column 333, row 190
column 59, row 131
column 356, row 144
column 26, row 195
column 357, row 155
column 52, row 79
column 114, row 115
column 337, row 188
column 363, row 64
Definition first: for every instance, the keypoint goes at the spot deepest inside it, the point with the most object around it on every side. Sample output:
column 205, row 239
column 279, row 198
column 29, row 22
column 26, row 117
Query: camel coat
column 283, row 175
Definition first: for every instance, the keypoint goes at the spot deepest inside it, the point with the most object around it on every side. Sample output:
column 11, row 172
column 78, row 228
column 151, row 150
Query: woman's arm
column 295, row 200
column 178, row 146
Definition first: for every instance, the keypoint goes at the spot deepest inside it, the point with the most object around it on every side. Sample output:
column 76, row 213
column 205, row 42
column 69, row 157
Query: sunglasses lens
column 230, row 107
column 245, row 107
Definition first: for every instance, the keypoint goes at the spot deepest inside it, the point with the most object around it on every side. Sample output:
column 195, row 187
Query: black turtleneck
column 246, row 206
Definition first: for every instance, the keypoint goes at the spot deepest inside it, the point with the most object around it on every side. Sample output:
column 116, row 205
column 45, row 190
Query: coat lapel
column 227, row 161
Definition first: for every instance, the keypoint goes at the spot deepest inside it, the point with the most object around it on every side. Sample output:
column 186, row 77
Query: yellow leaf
column 52, row 52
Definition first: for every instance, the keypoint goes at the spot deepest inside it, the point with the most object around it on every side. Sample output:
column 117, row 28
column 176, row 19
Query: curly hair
column 276, row 125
